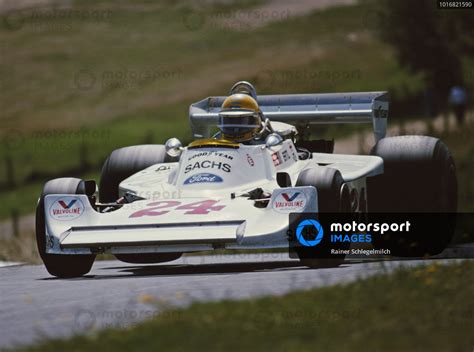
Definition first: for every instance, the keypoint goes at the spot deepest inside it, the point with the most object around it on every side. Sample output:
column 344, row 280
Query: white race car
column 156, row 202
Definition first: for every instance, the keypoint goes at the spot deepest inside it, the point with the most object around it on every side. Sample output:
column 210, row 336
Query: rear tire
column 333, row 197
column 60, row 265
column 419, row 177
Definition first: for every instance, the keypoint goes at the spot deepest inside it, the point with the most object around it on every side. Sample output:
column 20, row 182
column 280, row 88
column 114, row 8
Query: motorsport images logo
column 309, row 232
column 331, row 234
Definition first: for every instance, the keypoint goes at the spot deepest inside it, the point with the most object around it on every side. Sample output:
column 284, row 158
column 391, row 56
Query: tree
column 426, row 39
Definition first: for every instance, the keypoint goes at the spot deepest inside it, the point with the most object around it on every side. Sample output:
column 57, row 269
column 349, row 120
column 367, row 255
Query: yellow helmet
column 240, row 118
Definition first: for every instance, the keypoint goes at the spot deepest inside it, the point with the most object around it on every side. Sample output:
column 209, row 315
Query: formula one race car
column 234, row 189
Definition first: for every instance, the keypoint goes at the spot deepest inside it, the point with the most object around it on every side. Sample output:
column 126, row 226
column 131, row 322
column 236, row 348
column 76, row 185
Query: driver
column 240, row 119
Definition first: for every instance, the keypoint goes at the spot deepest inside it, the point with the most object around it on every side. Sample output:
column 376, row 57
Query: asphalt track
column 34, row 305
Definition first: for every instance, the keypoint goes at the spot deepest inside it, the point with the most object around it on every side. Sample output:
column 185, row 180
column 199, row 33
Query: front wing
column 73, row 226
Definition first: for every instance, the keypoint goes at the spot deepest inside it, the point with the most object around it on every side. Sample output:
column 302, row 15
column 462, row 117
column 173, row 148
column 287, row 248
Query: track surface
column 34, row 305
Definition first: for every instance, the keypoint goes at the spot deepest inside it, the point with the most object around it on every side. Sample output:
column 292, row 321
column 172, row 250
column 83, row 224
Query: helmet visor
column 232, row 124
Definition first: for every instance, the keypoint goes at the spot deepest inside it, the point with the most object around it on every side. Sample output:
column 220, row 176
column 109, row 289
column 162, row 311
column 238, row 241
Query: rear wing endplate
column 302, row 110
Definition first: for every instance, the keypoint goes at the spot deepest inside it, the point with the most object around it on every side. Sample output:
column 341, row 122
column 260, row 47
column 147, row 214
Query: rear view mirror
column 173, row 147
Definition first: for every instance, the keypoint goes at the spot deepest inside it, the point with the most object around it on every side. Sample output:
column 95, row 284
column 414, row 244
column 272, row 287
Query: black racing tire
column 148, row 258
column 125, row 162
column 60, row 265
column 419, row 177
column 333, row 197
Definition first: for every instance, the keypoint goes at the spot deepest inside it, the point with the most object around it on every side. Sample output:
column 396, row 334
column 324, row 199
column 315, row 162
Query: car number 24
column 166, row 206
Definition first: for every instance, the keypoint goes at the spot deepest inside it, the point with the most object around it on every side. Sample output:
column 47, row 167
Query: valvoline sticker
column 66, row 208
column 290, row 201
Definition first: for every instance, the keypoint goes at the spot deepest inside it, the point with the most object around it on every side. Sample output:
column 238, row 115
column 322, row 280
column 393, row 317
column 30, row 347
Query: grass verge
column 429, row 308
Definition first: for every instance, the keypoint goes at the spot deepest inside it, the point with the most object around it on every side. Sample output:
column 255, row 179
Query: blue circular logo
column 309, row 223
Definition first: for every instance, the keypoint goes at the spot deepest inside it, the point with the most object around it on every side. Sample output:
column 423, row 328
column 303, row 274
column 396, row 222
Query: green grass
column 423, row 309
column 66, row 79
column 54, row 150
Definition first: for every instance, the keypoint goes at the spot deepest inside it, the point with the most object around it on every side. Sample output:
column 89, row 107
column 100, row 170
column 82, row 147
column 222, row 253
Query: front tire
column 60, row 265
column 333, row 197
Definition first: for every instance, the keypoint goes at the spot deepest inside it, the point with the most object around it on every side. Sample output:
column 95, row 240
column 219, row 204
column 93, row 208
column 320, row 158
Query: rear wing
column 303, row 110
